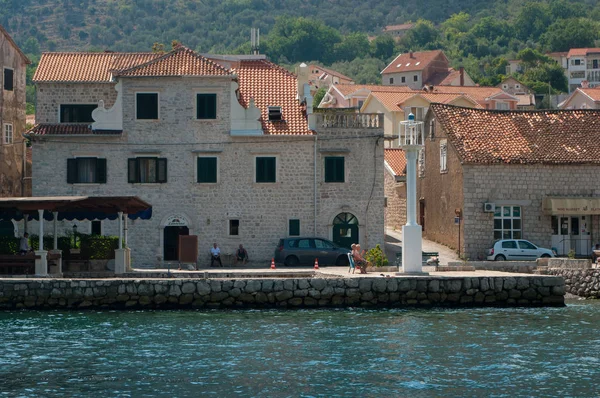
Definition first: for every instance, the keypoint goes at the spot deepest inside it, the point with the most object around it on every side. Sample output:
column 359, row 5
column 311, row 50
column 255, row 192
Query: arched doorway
column 172, row 241
column 345, row 229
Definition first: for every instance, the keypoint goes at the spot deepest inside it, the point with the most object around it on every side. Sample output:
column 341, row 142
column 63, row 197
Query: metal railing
column 582, row 247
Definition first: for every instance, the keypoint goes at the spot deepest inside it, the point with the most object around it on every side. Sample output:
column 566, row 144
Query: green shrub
column 376, row 257
column 64, row 242
column 9, row 245
column 98, row 247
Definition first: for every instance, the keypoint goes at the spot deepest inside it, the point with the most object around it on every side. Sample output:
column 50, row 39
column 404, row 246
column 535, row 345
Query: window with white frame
column 8, row 133
column 443, row 156
column 507, row 222
column 502, row 106
column 418, row 111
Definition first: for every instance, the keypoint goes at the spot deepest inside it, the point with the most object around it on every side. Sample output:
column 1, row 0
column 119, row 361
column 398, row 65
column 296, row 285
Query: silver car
column 517, row 249
column 304, row 251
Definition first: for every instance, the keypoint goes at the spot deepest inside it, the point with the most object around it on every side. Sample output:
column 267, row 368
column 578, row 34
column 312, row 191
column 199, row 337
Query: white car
column 517, row 249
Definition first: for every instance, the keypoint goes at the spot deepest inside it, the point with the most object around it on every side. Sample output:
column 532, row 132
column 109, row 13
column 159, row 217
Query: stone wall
column 395, row 211
column 49, row 97
column 305, row 292
column 580, row 282
column 522, row 267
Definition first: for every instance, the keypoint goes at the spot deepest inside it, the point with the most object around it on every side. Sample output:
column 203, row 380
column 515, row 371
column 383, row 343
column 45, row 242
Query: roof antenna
column 255, row 40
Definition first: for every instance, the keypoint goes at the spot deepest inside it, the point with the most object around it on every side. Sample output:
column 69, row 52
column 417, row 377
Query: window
column 360, row 103
column 266, row 169
column 8, row 79
column 146, row 106
column 416, row 78
column 523, row 244
column 443, row 156
column 502, row 106
column 391, row 80
column 8, row 133
column 517, row 86
column 334, row 169
column 234, row 227
column 321, row 244
column 86, row 171
column 275, row 114
column 575, row 62
column 294, row 227
column 432, row 129
column 76, row 113
column 507, row 222
column 403, row 79
column 207, row 170
column 96, row 227
column 303, row 244
column 206, row 106
column 147, row 170
column 509, row 244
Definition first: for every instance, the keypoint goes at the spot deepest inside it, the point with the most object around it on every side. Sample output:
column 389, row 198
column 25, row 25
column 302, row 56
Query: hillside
column 344, row 34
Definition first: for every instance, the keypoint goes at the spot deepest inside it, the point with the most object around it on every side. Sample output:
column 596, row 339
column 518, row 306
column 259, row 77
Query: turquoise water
column 310, row 353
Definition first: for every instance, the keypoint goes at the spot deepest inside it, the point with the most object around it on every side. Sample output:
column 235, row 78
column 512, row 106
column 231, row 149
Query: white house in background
column 582, row 98
column 231, row 154
column 583, row 65
column 353, row 95
column 397, row 31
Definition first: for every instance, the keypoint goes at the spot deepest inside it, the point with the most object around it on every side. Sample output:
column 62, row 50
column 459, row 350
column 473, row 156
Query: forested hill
column 344, row 34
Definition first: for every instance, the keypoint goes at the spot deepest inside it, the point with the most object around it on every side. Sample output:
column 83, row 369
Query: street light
column 412, row 139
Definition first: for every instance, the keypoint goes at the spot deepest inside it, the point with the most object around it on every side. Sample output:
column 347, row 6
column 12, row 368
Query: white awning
column 571, row 206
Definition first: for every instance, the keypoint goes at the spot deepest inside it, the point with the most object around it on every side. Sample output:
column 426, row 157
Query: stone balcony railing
column 336, row 120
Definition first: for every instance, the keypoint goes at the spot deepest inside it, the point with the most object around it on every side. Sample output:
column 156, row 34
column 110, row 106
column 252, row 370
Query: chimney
column 462, row 75
column 410, row 54
column 585, row 84
column 303, row 91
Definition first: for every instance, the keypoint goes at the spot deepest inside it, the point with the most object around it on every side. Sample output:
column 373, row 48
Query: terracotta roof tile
column 180, row 62
column 69, row 129
column 478, row 93
column 329, row 72
column 85, row 67
column 393, row 101
column 348, row 89
column 593, row 93
column 396, row 159
column 582, row 51
column 521, row 137
column 409, row 62
column 271, row 85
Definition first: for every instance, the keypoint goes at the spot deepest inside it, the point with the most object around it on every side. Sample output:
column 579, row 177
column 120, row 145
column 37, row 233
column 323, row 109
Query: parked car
column 517, row 249
column 303, row 251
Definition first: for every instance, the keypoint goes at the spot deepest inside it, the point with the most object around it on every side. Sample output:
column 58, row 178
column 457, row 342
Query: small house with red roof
column 510, row 175
column 424, row 68
column 583, row 66
column 225, row 148
column 582, row 98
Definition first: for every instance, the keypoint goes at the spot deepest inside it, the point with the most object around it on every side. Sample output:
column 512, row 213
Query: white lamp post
column 412, row 139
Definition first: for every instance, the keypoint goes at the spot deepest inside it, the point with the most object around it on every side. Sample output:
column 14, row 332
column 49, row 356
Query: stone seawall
column 521, row 267
column 580, row 282
column 299, row 292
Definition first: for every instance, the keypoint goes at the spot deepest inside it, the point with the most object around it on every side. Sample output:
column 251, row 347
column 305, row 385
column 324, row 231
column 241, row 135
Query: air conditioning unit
column 489, row 207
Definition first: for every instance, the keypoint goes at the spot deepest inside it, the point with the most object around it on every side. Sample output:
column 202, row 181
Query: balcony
column 340, row 120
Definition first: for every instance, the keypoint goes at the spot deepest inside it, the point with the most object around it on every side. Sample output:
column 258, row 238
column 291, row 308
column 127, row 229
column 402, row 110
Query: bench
column 424, row 257
column 15, row 264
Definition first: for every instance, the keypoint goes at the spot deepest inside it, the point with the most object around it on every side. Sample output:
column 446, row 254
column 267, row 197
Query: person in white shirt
column 215, row 255
column 24, row 245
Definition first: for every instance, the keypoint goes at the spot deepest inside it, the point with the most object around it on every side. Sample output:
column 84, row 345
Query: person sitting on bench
column 215, row 255
column 24, row 247
column 241, row 255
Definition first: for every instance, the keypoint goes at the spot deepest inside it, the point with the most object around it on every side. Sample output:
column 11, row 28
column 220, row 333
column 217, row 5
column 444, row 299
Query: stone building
column 13, row 65
column 511, row 174
column 395, row 188
column 228, row 153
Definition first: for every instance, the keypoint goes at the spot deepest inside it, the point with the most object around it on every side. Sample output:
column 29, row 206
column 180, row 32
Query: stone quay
column 289, row 292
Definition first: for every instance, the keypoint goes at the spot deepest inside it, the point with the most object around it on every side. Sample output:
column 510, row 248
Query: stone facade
column 49, row 97
column 284, row 293
column 263, row 210
column 395, row 194
column 12, row 113
column 580, row 282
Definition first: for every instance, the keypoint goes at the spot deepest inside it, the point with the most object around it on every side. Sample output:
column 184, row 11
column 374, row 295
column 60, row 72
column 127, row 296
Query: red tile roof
column 521, row 137
column 327, row 71
column 478, row 93
column 85, row 67
column 411, row 62
column 272, row 85
column 348, row 89
column 582, row 51
column 393, row 101
column 180, row 62
column 68, row 129
column 394, row 157
column 593, row 93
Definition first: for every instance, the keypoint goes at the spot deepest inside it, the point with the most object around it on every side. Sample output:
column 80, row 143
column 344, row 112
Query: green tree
column 383, row 47
column 354, row 45
column 543, row 74
column 565, row 34
column 457, row 22
column 363, row 70
column 318, row 97
column 423, row 35
column 532, row 20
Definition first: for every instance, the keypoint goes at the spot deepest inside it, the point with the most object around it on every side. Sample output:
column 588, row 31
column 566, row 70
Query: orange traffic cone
column 272, row 263
column 316, row 263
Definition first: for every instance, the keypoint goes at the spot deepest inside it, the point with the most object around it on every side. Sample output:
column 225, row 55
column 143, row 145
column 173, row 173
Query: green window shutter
column 146, row 106
column 161, row 170
column 334, row 169
column 206, row 106
column 207, row 170
column 294, row 227
column 101, row 171
column 132, row 172
column 71, row 171
column 266, row 169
